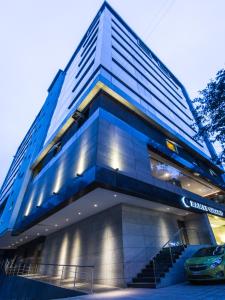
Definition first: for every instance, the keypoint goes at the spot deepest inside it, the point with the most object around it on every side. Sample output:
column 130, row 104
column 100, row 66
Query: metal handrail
column 153, row 256
column 182, row 243
column 23, row 269
column 175, row 235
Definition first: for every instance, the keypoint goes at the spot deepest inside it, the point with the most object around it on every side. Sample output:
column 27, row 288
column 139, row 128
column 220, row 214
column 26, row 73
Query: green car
column 206, row 264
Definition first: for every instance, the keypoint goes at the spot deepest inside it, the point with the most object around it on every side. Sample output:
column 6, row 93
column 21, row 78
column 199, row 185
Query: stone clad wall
column 96, row 241
column 145, row 231
column 118, row 241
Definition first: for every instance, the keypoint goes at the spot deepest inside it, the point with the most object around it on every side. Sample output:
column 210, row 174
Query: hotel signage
column 188, row 203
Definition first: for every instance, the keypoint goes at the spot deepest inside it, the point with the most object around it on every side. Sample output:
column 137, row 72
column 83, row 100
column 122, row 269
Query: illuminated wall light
column 115, row 161
column 79, row 175
column 59, row 178
column 41, row 196
column 75, row 253
column 107, row 267
column 81, row 163
column 164, row 230
column 30, row 203
column 63, row 250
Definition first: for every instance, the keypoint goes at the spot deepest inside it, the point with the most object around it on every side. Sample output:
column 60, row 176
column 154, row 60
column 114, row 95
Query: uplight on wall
column 81, row 163
column 59, row 177
column 107, row 268
column 75, row 249
column 115, row 156
column 30, row 203
column 63, row 250
column 41, row 196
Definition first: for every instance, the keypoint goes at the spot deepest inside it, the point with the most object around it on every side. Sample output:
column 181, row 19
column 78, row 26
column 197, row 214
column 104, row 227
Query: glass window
column 170, row 172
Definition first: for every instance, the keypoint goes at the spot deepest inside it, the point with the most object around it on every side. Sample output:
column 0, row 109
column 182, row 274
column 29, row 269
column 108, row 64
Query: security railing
column 68, row 276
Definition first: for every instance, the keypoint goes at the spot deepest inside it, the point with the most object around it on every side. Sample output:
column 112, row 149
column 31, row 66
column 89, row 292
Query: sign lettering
column 188, row 203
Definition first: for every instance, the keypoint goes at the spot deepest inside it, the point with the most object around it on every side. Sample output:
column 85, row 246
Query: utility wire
column 155, row 16
column 164, row 13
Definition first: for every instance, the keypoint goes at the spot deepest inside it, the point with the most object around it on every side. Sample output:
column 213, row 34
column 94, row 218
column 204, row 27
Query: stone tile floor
column 176, row 292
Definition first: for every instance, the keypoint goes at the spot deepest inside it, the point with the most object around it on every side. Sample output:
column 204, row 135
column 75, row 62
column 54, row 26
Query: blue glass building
column 110, row 167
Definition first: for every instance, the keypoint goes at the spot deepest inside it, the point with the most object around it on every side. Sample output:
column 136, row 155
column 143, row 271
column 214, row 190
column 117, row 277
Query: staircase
column 167, row 266
column 151, row 275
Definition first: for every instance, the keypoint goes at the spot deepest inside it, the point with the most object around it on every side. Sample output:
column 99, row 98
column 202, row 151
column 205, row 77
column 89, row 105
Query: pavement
column 176, row 292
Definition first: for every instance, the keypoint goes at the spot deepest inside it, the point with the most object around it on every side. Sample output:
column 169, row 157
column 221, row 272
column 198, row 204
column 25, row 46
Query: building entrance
column 184, row 234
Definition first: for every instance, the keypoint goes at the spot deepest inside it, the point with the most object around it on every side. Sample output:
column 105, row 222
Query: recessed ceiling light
column 56, row 225
column 95, row 205
column 166, row 174
column 38, row 233
column 46, row 229
column 168, row 208
column 79, row 213
column 67, row 220
column 196, row 174
column 26, row 237
column 115, row 195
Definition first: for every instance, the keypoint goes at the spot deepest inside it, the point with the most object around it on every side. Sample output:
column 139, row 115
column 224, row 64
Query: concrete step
column 161, row 266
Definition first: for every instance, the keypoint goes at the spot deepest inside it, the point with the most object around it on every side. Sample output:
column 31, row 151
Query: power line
column 155, row 15
column 164, row 13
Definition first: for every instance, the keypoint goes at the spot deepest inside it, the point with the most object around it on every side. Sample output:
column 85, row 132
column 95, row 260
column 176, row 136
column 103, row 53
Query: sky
column 38, row 37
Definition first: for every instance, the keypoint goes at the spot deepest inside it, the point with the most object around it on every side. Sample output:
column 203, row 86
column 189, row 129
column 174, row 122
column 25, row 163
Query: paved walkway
column 175, row 292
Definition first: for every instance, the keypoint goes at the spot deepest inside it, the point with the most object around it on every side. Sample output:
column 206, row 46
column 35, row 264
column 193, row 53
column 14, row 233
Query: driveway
column 175, row 292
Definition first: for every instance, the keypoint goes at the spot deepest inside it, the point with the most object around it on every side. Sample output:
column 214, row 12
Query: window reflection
column 169, row 172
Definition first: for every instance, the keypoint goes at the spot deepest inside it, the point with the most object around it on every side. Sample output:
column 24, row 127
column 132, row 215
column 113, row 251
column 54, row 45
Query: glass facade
column 171, row 173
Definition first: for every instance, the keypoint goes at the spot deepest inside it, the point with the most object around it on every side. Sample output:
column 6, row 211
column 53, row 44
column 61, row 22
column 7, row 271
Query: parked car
column 206, row 264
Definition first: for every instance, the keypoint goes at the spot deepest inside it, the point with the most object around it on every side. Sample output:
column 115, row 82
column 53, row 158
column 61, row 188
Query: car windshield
column 212, row 251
